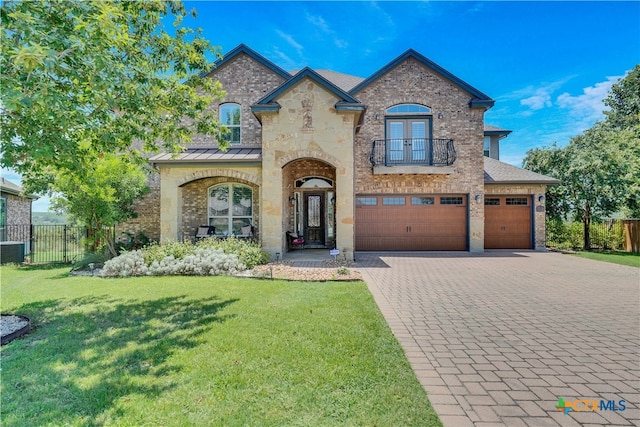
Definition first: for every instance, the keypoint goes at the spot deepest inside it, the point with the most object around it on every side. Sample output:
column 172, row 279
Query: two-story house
column 401, row 160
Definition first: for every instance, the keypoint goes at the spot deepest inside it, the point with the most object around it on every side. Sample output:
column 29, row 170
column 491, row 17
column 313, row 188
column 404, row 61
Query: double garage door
column 439, row 222
column 411, row 223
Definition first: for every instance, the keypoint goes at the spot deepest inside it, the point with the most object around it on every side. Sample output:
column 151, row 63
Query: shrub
column 249, row 253
column 129, row 241
column 90, row 258
column 157, row 252
column 202, row 262
column 125, row 265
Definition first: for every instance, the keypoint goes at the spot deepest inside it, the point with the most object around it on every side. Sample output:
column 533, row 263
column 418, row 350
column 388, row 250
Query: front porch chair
column 204, row 231
column 295, row 241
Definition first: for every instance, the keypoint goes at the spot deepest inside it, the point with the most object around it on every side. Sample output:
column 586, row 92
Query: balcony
column 413, row 156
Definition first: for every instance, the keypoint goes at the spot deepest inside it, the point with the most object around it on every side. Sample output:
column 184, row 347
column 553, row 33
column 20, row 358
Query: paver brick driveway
column 497, row 338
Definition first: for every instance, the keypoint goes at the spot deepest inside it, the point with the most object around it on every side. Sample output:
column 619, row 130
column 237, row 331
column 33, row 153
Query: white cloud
column 541, row 99
column 292, row 42
column 589, row 105
column 321, row 24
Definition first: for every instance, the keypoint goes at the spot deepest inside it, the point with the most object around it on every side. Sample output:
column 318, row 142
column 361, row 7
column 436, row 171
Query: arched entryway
column 310, row 199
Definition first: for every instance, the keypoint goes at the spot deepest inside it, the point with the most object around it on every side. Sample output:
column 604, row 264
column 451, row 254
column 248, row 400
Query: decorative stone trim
column 308, row 154
column 212, row 173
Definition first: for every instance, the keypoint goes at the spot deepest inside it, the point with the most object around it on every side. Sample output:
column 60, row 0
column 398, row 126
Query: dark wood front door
column 314, row 218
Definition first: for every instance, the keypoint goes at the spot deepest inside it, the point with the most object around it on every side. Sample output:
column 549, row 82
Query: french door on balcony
column 408, row 141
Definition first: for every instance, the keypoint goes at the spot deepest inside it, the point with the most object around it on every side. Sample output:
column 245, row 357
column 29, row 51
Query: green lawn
column 623, row 258
column 202, row 351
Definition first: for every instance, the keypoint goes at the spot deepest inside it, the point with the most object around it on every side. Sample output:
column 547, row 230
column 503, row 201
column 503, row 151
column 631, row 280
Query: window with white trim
column 230, row 118
column 230, row 208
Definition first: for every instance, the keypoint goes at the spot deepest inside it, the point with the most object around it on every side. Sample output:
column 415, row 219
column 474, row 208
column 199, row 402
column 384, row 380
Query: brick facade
column 453, row 118
column 308, row 135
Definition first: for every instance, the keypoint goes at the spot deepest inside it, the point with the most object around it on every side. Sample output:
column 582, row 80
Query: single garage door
column 507, row 222
column 413, row 222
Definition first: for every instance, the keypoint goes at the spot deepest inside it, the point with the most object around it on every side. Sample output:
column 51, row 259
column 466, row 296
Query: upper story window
column 408, row 133
column 230, row 118
column 487, row 146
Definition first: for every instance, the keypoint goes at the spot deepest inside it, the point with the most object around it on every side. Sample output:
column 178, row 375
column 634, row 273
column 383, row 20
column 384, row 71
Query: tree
column 624, row 101
column 82, row 78
column 600, row 169
column 102, row 196
column 623, row 118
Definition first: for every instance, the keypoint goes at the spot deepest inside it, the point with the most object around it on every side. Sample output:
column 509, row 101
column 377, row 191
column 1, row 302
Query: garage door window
column 491, row 201
column 367, row 201
column 422, row 200
column 516, row 201
column 451, row 201
column 393, row 200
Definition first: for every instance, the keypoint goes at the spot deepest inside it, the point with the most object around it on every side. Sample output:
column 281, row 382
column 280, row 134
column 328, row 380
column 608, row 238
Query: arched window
column 409, row 109
column 230, row 118
column 408, row 134
column 230, row 208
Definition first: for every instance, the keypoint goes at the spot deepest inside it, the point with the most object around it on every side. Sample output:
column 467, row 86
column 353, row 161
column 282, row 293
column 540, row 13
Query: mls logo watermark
column 590, row 405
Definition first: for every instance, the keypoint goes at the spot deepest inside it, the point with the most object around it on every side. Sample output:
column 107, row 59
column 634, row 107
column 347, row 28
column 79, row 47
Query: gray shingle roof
column 497, row 172
column 495, row 129
column 9, row 187
column 345, row 82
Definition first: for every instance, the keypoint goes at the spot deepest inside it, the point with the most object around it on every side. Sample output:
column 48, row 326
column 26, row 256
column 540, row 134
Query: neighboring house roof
column 196, row 155
column 479, row 99
column 9, row 187
column 345, row 82
column 497, row 172
column 493, row 130
column 251, row 53
column 346, row 101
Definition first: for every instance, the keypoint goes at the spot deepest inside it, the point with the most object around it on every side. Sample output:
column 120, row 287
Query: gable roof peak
column 313, row 75
column 244, row 49
column 479, row 98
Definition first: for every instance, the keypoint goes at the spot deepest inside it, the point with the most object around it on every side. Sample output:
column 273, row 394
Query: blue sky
column 547, row 64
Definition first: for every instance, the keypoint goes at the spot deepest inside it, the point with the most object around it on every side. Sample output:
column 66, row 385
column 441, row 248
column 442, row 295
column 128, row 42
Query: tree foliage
column 81, row 78
column 102, row 196
column 599, row 169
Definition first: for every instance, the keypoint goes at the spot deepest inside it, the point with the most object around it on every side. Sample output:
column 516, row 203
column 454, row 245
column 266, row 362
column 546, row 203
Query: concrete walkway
column 497, row 338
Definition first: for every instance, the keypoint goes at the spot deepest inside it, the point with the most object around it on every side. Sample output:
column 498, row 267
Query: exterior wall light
column 478, row 198
column 541, row 198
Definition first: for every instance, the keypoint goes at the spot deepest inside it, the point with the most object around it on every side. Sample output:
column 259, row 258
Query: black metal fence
column 48, row 243
column 608, row 234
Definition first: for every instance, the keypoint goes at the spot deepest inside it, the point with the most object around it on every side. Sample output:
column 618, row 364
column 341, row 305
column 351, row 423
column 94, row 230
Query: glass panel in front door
column 313, row 211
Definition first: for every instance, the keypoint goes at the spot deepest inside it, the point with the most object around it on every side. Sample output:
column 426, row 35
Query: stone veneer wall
column 307, row 126
column 539, row 217
column 195, row 203
column 412, row 82
column 301, row 169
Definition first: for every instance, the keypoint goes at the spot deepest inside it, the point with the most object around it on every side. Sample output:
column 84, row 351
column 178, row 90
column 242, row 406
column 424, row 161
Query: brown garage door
column 507, row 222
column 411, row 223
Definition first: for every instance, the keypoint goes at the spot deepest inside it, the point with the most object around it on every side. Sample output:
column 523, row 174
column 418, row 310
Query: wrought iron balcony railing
column 418, row 151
